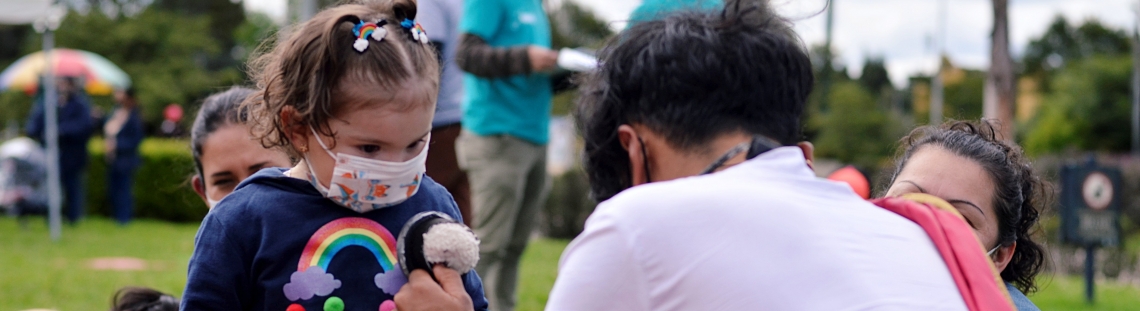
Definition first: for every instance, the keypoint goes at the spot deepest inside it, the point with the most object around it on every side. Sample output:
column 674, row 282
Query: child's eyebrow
column 372, row 140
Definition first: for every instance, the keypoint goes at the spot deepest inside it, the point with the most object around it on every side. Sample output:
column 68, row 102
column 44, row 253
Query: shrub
column 161, row 187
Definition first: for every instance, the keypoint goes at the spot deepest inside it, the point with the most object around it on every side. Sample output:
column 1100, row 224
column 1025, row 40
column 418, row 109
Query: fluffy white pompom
column 453, row 245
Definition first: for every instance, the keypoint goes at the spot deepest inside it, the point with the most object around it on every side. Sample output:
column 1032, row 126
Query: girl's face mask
column 363, row 184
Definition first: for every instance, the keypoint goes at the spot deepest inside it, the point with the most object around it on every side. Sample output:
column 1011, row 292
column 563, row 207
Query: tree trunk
column 1000, row 82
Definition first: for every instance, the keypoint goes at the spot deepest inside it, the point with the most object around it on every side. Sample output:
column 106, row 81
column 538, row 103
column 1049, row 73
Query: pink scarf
column 974, row 273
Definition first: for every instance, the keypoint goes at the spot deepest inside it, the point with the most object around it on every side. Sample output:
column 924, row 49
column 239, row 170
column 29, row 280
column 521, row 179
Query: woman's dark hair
column 307, row 71
column 1020, row 193
column 691, row 77
column 217, row 111
column 142, row 299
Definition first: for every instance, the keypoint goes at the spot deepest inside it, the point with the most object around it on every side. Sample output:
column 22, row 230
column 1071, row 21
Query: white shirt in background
column 765, row 234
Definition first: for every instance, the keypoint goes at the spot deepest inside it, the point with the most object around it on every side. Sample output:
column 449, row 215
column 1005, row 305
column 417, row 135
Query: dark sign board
column 1090, row 205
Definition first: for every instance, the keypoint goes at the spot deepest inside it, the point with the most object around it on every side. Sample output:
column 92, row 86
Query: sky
column 902, row 32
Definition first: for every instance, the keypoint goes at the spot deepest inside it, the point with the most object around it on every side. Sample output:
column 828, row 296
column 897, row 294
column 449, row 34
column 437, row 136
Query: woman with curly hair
column 991, row 183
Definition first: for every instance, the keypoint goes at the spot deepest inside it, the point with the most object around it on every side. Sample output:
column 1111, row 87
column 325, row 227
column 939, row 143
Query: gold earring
column 303, row 148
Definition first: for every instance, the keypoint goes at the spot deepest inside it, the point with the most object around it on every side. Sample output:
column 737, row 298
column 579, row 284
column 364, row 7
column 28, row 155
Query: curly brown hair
column 307, row 71
column 1020, row 195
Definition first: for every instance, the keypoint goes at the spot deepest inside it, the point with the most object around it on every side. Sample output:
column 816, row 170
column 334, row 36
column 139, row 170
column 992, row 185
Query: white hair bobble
column 364, row 30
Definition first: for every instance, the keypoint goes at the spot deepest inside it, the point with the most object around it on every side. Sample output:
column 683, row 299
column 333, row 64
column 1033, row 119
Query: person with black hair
column 122, row 135
column 504, row 48
column 143, row 299
column 692, row 145
column 992, row 185
column 224, row 152
column 74, row 130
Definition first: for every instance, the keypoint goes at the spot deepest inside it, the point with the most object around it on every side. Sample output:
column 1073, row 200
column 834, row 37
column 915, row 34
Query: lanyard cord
column 755, row 147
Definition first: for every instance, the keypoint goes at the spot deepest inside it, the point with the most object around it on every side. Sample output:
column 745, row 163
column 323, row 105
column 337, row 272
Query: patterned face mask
column 363, row 184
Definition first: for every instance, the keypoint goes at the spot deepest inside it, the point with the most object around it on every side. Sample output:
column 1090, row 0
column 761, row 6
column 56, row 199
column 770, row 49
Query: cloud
column 311, row 282
column 391, row 281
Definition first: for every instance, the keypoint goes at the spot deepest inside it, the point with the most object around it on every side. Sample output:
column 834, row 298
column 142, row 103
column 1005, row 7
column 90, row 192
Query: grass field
column 41, row 274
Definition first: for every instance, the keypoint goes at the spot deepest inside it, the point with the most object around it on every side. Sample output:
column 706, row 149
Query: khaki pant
column 508, row 186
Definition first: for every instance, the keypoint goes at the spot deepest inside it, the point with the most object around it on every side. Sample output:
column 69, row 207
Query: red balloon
column 173, row 112
column 295, row 307
column 853, row 178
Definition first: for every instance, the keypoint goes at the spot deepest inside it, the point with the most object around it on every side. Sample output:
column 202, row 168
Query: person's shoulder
column 267, row 189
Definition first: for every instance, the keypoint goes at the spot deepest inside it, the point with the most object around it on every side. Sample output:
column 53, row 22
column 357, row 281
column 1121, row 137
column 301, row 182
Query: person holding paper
column 504, row 47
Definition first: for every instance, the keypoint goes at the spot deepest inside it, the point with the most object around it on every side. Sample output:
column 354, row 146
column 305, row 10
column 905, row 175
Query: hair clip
column 364, row 30
column 415, row 31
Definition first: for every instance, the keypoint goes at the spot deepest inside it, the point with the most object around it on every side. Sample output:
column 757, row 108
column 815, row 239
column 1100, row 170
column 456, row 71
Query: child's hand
column 423, row 293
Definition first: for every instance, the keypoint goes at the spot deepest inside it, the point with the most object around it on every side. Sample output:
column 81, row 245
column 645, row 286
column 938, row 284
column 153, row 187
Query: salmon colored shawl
column 977, row 279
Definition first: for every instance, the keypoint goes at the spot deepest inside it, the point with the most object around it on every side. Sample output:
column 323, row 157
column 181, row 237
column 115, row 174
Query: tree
column 875, row 77
column 856, row 129
column 1088, row 109
column 164, row 53
column 1063, row 43
column 572, row 26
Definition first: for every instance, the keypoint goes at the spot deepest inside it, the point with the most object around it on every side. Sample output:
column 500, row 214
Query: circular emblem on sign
column 1097, row 191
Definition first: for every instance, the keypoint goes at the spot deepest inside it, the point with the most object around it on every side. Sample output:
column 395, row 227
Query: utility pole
column 936, row 89
column 825, row 77
column 1136, row 82
column 47, row 25
column 1001, row 85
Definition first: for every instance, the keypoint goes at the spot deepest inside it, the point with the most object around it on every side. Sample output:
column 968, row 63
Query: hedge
column 162, row 189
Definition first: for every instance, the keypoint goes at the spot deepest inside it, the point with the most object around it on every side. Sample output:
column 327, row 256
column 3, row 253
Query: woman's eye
column 369, row 148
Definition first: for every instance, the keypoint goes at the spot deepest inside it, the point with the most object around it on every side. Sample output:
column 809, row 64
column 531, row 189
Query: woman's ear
column 199, row 187
column 1004, row 255
column 632, row 144
column 297, row 134
column 809, row 152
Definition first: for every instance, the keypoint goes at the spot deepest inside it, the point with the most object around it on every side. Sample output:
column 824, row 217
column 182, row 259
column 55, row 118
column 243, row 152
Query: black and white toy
column 431, row 238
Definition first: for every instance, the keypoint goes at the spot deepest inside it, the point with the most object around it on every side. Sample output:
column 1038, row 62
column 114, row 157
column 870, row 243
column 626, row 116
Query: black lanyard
column 758, row 145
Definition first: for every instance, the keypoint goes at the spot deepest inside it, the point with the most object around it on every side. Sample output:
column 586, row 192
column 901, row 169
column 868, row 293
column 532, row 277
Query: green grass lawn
column 42, row 274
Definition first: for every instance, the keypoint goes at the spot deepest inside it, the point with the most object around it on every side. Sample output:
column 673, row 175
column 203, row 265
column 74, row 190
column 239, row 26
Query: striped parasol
column 100, row 75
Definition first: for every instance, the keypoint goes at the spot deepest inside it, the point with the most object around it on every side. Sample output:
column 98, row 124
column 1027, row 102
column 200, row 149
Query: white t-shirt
column 765, row 234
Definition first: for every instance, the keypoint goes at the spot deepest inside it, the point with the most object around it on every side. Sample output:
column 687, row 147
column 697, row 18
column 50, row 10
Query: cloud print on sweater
column 311, row 282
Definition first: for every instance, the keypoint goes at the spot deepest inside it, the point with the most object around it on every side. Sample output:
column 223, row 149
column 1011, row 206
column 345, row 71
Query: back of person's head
column 142, row 299
column 217, row 111
column 1019, row 196
column 691, row 77
column 318, row 63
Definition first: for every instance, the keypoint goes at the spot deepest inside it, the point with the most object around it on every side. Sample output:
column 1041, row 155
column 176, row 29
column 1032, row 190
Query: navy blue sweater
column 275, row 242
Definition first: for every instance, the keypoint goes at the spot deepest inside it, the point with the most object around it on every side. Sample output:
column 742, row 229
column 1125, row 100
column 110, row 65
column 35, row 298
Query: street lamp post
column 47, row 25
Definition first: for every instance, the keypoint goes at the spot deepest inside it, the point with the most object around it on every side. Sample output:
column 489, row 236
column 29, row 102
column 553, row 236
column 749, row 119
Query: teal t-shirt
column 518, row 105
column 655, row 9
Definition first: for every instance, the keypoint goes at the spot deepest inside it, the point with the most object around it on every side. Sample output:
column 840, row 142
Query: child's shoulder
column 434, row 197
column 265, row 191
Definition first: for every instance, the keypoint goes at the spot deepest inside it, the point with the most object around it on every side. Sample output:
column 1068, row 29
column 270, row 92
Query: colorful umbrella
column 101, row 76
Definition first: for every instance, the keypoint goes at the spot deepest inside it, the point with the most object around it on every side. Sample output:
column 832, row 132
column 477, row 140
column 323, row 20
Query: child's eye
column 369, row 148
column 416, row 144
column 222, row 182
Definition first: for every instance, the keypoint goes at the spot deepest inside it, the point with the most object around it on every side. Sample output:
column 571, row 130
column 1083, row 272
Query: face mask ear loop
column 991, row 252
column 322, row 143
column 312, row 173
column 644, row 160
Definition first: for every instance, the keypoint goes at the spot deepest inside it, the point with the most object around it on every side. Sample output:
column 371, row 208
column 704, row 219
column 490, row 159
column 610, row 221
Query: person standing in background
column 75, row 126
column 504, row 46
column 122, row 134
column 440, row 18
